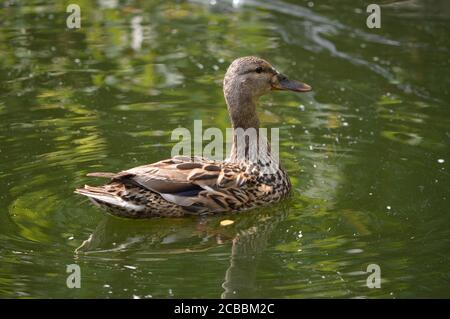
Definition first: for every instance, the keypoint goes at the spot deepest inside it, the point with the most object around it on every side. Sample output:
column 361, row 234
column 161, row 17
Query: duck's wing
column 197, row 184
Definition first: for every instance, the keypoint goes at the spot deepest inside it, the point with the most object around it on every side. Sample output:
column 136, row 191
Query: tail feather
column 101, row 196
column 102, row 174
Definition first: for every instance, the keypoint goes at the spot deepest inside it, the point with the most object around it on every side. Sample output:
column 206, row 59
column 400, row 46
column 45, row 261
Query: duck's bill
column 283, row 83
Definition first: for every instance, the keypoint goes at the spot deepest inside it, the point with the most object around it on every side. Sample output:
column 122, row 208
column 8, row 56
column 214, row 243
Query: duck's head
column 246, row 80
column 258, row 77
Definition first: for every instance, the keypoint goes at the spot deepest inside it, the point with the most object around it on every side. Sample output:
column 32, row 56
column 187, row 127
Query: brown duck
column 195, row 185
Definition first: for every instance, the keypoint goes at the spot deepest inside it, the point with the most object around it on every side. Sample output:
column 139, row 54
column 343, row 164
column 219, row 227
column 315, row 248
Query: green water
column 367, row 151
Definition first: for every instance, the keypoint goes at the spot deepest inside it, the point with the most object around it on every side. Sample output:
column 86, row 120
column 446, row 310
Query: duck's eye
column 259, row 69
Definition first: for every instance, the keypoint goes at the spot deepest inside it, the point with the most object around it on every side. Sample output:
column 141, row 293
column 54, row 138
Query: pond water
column 367, row 151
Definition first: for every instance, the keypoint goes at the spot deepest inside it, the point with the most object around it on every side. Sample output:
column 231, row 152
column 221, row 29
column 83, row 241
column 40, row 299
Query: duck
column 251, row 176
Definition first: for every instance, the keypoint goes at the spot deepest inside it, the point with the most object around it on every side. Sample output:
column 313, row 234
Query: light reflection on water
column 364, row 150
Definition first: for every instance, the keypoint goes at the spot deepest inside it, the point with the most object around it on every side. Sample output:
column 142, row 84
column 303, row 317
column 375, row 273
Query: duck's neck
column 248, row 144
column 242, row 108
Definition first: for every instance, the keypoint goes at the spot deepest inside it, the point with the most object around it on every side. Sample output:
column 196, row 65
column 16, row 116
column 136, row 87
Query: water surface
column 367, row 150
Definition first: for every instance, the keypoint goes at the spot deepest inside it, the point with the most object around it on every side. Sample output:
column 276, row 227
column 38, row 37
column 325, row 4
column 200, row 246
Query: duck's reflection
column 248, row 236
column 247, row 246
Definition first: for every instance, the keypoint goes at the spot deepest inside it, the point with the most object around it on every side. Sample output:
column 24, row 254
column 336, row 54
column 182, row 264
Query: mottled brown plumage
column 195, row 185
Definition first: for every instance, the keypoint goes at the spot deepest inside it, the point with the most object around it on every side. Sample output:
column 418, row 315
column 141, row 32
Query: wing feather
column 195, row 183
